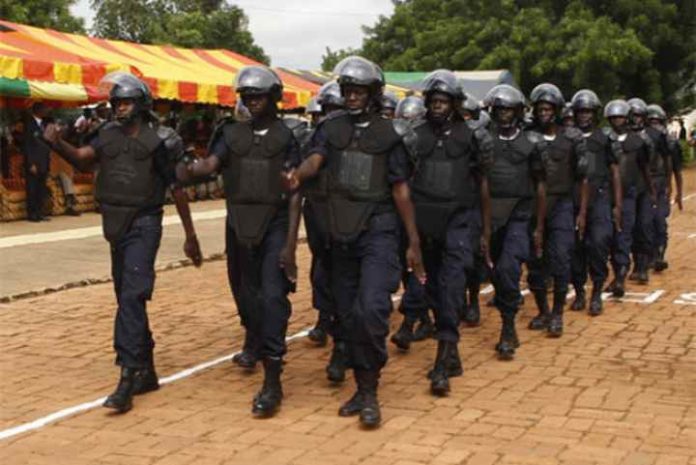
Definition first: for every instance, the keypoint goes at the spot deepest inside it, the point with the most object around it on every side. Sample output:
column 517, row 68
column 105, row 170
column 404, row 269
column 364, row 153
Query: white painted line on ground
column 93, row 231
column 686, row 299
column 688, row 197
column 74, row 410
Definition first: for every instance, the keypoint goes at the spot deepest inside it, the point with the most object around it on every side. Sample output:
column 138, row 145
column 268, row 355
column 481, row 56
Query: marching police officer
column 411, row 108
column 644, row 231
column 657, row 119
column 565, row 159
column 451, row 163
column 634, row 160
column 604, row 205
column 262, row 224
column 367, row 183
column 389, row 104
column 516, row 180
column 136, row 164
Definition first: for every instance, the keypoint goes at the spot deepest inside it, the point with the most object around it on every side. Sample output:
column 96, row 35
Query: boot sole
column 145, row 390
column 117, row 408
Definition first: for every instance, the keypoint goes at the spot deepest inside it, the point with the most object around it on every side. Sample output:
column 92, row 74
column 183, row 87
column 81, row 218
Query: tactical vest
column 560, row 165
column 630, row 171
column 358, row 168
column 442, row 182
column 511, row 176
column 658, row 166
column 252, row 177
column 597, row 146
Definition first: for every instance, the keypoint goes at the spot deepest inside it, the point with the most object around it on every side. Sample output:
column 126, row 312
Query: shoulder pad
column 534, row 137
column 401, row 127
column 298, row 127
column 218, row 132
column 609, row 132
column 172, row 141
column 335, row 114
column 573, row 133
column 646, row 138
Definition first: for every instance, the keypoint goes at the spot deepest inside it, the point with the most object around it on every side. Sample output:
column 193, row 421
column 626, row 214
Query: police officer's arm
column 582, row 160
column 192, row 248
column 287, row 255
column 675, row 151
column 484, row 145
column 316, row 155
column 539, row 178
column 647, row 154
column 82, row 158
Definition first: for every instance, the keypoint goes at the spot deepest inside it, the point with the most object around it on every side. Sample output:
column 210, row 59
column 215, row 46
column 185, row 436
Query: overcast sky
column 295, row 33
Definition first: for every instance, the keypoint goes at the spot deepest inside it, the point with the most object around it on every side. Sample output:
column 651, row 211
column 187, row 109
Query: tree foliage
column 616, row 47
column 185, row 23
column 54, row 14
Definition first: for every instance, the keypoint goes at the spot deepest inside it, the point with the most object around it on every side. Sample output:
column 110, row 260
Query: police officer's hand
column 33, row 169
column 538, row 237
column 616, row 213
column 678, row 200
column 290, row 180
column 580, row 224
column 192, row 249
column 414, row 261
column 486, row 250
column 288, row 264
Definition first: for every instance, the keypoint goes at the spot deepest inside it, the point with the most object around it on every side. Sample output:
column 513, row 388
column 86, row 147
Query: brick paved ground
column 618, row 389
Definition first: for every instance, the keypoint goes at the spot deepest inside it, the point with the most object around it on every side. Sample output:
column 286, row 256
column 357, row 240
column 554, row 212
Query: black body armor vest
column 598, row 146
column 629, row 168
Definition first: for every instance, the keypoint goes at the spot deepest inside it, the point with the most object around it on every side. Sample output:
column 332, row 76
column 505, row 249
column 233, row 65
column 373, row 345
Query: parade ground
column 616, row 389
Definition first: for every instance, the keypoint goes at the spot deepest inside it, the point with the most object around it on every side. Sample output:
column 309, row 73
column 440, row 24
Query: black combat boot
column 425, row 328
column 268, row 399
column 471, row 314
column 555, row 328
column 403, row 337
column 145, row 380
column 617, row 286
column 642, row 266
column 580, row 299
column 508, row 337
column 121, row 399
column 70, row 205
column 336, row 369
column 319, row 334
column 439, row 379
column 247, row 357
column 541, row 321
column 660, row 262
column 596, row 299
column 364, row 401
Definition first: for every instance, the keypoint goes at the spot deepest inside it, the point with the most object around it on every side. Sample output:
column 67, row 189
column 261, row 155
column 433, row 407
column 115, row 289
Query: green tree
column 185, row 23
column 331, row 58
column 54, row 14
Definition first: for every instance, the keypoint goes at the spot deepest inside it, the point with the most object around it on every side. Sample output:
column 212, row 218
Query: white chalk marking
column 686, row 299
column 94, row 231
column 635, row 297
column 74, row 410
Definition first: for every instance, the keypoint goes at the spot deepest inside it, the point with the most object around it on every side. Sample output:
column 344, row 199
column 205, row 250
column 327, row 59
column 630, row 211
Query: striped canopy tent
column 39, row 56
column 320, row 77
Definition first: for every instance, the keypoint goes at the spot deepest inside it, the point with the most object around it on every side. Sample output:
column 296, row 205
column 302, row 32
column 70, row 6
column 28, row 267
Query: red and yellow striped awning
column 187, row 75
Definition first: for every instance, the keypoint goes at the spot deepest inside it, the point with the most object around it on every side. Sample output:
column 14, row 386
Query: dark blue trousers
column 133, row 271
column 365, row 274
column 320, row 270
column 559, row 240
column 509, row 250
column 658, row 227
column 644, row 228
column 592, row 253
column 623, row 240
column 446, row 261
column 260, row 287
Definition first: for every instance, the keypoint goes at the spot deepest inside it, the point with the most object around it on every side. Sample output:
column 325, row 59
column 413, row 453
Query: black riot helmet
column 655, row 111
column 505, row 96
column 470, row 104
column 443, row 81
column 120, row 86
column 585, row 99
column 259, row 80
column 358, row 71
column 617, row 108
column 638, row 106
column 330, row 95
column 411, row 108
column 549, row 93
column 389, row 100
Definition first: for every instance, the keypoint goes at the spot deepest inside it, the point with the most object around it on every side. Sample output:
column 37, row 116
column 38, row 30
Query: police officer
column 604, row 203
column 451, row 163
column 660, row 170
column 568, row 115
column 565, row 159
column 633, row 160
column 516, row 179
column 470, row 111
column 389, row 103
column 314, row 111
column 316, row 214
column 136, row 164
column 367, row 181
column 262, row 224
column 416, row 324
column 657, row 119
